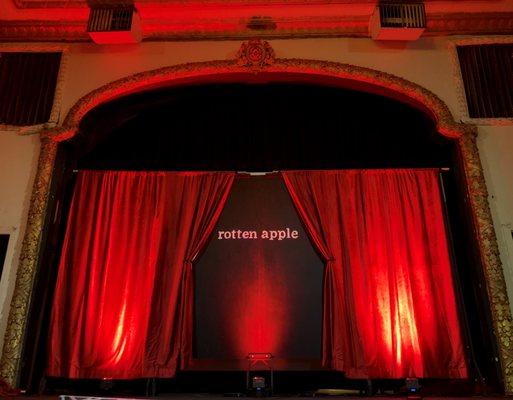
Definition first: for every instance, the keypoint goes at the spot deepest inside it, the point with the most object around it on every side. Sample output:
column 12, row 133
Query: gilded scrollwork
column 256, row 54
column 309, row 69
column 489, row 250
column 313, row 71
column 17, row 322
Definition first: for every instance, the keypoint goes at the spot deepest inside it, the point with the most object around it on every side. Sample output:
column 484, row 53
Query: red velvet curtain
column 389, row 304
column 119, row 307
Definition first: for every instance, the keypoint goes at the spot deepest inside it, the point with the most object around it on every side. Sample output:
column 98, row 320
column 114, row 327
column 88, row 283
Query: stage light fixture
column 259, row 356
column 412, row 385
column 257, row 384
column 106, row 384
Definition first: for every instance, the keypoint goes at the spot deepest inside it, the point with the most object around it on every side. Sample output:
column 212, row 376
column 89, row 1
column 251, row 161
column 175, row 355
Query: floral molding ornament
column 255, row 54
column 256, row 59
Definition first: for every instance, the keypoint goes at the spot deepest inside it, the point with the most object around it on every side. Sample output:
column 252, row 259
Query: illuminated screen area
column 258, row 284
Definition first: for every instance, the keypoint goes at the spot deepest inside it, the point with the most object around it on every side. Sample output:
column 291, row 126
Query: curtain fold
column 389, row 303
column 123, row 304
column 120, row 306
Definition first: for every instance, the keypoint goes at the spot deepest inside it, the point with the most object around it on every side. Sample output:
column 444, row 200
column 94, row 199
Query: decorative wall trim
column 218, row 70
column 237, row 70
column 25, row 276
column 61, row 79
column 48, row 4
column 458, row 79
column 469, row 23
column 489, row 249
column 256, row 55
column 302, row 18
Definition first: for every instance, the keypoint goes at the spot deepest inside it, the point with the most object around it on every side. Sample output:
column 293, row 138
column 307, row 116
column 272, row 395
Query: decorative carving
column 492, row 267
column 330, row 19
column 468, row 23
column 311, row 70
column 48, row 4
column 211, row 70
column 17, row 322
column 255, row 54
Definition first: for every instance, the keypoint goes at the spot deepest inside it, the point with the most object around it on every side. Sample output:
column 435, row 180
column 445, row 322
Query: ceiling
column 66, row 20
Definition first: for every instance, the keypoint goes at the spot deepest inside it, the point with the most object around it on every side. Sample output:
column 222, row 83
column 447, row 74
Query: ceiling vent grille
column 110, row 19
column 402, row 15
column 398, row 21
column 114, row 24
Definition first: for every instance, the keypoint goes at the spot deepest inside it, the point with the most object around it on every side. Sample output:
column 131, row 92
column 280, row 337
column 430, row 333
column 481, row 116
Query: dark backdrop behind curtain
column 389, row 304
column 125, row 268
column 123, row 309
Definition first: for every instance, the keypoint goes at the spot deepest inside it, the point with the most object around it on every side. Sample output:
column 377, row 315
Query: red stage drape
column 389, row 303
column 119, row 309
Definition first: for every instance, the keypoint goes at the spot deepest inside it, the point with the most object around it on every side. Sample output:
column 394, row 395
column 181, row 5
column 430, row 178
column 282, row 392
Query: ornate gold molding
column 319, row 72
column 489, row 250
column 272, row 68
column 256, row 55
column 17, row 322
column 469, row 23
column 302, row 18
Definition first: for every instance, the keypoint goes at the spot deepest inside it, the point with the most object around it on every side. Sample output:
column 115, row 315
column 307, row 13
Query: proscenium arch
column 282, row 70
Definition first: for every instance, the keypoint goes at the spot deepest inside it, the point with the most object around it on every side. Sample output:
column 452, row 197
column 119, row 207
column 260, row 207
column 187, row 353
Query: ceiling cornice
column 226, row 19
column 470, row 24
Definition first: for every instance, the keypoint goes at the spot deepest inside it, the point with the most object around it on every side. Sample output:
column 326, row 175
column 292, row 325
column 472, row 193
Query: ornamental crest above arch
column 258, row 57
column 255, row 54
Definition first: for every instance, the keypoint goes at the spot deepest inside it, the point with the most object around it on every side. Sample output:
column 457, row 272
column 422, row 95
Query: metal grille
column 107, row 19
column 397, row 15
column 27, row 87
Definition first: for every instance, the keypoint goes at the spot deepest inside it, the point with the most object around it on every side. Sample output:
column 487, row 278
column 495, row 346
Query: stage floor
column 220, row 397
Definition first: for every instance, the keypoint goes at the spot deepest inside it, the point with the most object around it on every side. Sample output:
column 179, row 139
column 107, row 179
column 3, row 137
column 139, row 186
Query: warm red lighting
column 261, row 321
column 259, row 356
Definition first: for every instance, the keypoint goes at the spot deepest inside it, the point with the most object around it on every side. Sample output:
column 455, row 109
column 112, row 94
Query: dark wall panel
column 487, row 72
column 27, row 87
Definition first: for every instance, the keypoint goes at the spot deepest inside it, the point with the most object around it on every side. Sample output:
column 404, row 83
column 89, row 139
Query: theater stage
column 366, row 281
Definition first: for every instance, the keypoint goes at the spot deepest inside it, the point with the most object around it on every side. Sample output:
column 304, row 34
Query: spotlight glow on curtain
column 119, row 306
column 389, row 304
column 123, row 304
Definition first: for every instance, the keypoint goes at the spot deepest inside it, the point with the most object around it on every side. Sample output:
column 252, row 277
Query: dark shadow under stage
column 210, row 385
column 216, row 397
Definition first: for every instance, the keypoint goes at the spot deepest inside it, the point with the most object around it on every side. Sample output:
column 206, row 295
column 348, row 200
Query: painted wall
column 495, row 149
column 426, row 62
